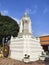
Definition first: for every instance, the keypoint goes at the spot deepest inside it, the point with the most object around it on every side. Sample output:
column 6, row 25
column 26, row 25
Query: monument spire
column 25, row 25
column 25, row 47
column 26, row 13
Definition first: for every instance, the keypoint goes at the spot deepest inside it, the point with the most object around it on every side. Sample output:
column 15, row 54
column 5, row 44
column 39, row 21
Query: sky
column 38, row 10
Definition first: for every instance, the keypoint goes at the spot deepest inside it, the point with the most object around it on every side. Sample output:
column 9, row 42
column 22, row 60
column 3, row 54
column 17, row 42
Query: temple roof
column 44, row 40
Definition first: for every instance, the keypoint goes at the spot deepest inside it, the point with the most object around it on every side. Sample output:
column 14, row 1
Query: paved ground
column 6, row 61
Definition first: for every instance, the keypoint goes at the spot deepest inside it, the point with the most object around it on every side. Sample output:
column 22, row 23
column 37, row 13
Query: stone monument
column 25, row 45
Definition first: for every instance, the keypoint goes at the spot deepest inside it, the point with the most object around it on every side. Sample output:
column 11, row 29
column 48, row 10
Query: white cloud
column 30, row 11
column 5, row 12
column 44, row 34
column 40, row 33
column 45, row 11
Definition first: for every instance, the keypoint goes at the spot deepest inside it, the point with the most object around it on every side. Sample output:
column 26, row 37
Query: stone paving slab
column 8, row 61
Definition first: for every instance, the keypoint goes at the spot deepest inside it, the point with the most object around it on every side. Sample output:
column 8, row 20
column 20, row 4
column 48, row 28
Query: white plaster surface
column 25, row 43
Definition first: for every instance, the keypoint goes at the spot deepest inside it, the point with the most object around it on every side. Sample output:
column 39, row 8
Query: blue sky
column 38, row 11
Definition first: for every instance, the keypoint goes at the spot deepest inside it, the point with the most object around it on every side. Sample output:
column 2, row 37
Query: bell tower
column 25, row 25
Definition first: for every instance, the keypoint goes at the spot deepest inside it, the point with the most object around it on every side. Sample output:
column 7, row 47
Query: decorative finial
column 26, row 13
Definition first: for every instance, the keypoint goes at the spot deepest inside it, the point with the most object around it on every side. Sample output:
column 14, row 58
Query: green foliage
column 1, row 48
column 47, row 53
column 8, row 26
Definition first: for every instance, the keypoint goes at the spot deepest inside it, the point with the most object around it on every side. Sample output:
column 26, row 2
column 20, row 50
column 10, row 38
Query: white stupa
column 25, row 43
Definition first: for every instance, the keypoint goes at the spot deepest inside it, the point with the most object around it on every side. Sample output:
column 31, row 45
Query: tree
column 8, row 27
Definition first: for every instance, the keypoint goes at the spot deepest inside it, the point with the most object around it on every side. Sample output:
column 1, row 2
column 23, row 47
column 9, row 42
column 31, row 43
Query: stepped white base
column 25, row 45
